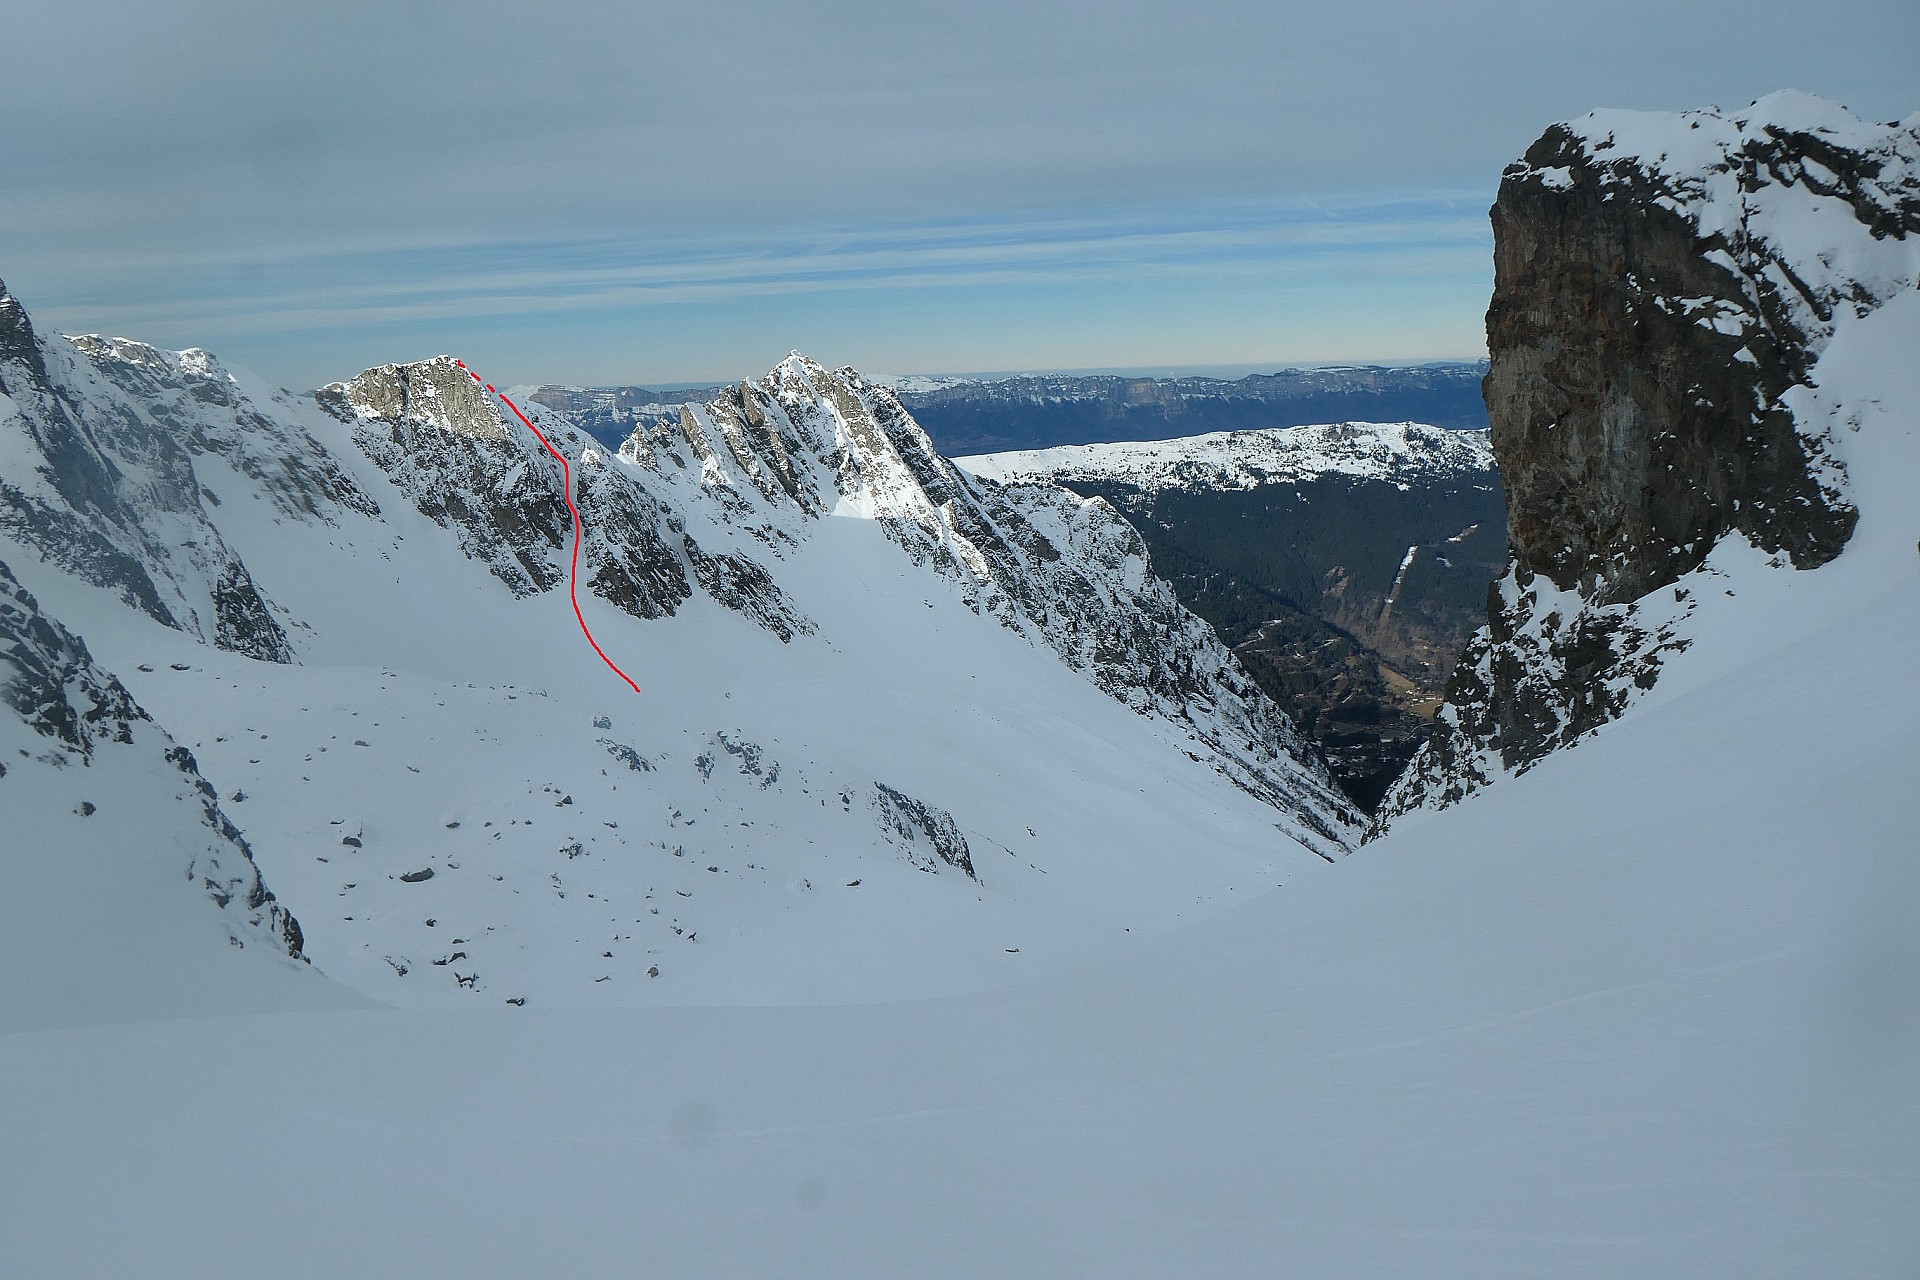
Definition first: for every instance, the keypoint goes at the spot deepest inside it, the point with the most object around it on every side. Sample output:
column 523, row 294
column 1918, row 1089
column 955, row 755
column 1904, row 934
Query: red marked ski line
column 566, row 492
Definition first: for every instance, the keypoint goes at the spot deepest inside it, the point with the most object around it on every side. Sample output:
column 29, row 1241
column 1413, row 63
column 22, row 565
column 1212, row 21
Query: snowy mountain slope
column 1670, row 291
column 901, row 732
column 1405, row 453
column 98, row 476
column 125, row 892
column 1647, row 1010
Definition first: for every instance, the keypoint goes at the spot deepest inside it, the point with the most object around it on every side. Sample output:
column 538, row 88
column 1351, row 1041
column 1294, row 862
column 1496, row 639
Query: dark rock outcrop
column 1637, row 366
column 1662, row 286
column 928, row 833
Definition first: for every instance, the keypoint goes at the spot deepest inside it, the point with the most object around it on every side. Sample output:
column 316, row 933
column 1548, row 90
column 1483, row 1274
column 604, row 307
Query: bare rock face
column 436, row 392
column 439, row 438
column 1637, row 364
column 1662, row 283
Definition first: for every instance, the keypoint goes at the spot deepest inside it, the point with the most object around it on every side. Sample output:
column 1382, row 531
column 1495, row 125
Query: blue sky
column 1184, row 286
column 591, row 192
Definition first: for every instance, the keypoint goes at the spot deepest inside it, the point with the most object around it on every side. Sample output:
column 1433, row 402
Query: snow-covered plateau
column 1114, row 994
column 1403, row 454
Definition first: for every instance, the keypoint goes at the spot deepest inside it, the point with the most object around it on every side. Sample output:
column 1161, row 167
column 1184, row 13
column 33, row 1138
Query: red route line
column 566, row 492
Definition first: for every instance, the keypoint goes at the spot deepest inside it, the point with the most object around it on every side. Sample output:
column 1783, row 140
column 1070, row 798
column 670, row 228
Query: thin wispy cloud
column 469, row 280
column 597, row 190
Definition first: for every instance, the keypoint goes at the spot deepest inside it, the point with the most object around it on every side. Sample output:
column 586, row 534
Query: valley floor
column 1648, row 1010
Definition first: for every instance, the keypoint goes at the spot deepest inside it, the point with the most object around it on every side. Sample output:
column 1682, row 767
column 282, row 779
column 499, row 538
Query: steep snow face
column 902, row 731
column 1404, row 453
column 98, row 476
column 1678, row 413
column 1064, row 571
column 125, row 890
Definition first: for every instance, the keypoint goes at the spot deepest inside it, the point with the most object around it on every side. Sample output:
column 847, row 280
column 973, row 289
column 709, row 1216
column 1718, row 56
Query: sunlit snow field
column 1649, row 1009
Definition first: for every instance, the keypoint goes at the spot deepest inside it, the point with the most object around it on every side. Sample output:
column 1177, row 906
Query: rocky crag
column 1664, row 286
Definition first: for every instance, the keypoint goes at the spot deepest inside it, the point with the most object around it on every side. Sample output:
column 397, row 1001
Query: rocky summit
column 1665, row 287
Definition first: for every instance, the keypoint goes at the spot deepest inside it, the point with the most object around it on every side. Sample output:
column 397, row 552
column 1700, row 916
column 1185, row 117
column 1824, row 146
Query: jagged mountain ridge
column 766, row 459
column 407, row 546
column 1666, row 289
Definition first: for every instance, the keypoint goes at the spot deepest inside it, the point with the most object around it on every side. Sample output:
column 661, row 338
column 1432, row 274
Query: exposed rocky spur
column 1664, row 288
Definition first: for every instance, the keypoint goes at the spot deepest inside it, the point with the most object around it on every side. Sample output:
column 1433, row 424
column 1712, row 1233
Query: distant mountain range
column 1040, row 411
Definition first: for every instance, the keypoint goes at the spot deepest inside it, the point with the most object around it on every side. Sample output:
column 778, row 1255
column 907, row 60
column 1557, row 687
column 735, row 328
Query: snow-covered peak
column 193, row 363
column 1791, row 178
column 1404, row 453
column 1689, row 141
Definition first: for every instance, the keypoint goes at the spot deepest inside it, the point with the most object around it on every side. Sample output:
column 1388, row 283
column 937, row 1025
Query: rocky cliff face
column 1663, row 286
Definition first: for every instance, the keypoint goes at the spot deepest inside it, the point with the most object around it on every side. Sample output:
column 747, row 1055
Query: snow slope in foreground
column 1545, row 1033
column 1649, row 1009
